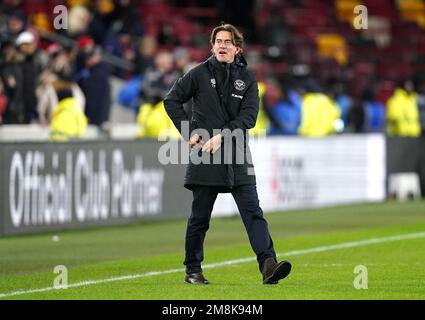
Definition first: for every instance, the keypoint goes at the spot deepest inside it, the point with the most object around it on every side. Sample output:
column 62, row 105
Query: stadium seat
column 73, row 3
column 333, row 46
column 413, row 10
column 41, row 21
column 199, row 54
column 345, row 10
column 385, row 91
column 182, row 30
column 381, row 8
column 394, row 70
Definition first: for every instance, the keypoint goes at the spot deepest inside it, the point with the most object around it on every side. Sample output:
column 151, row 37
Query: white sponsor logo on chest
column 237, row 96
column 239, row 85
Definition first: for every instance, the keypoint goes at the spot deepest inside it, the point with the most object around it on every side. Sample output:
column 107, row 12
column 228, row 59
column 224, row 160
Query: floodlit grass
column 396, row 268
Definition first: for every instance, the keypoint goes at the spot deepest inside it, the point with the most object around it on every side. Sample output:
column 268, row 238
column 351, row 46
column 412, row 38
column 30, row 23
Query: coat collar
column 239, row 62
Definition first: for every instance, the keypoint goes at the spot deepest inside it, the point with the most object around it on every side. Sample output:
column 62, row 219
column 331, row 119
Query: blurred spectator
column 403, row 112
column 93, row 80
column 182, row 61
column 356, row 118
column 262, row 124
column 16, row 24
column 159, row 79
column 57, row 81
column 68, row 121
column 154, row 122
column 421, row 105
column 319, row 113
column 335, row 89
column 121, row 45
column 33, row 64
column 12, row 80
column 101, row 20
column 182, row 65
column 127, row 47
column 118, row 26
column 3, row 102
column 128, row 96
column 127, row 17
column 286, row 112
column 166, row 35
column 379, row 29
column 374, row 112
column 152, row 117
column 145, row 54
column 10, row 6
column 109, row 18
column 78, row 22
column 84, row 44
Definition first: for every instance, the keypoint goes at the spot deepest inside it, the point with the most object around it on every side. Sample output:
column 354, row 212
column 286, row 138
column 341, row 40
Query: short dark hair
column 237, row 37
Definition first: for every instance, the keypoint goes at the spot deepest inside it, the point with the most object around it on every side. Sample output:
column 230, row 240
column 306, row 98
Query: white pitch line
column 344, row 245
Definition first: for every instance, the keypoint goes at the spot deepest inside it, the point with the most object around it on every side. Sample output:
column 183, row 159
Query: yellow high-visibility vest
column 68, row 121
column 318, row 115
column 263, row 122
column 403, row 114
column 155, row 123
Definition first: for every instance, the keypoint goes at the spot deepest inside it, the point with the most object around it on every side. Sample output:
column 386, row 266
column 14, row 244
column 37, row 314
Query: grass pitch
column 144, row 261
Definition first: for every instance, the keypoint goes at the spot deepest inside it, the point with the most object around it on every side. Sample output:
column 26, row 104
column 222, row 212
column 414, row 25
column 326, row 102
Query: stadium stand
column 301, row 40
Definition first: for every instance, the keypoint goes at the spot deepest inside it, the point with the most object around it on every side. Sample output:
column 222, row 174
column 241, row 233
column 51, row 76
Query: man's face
column 9, row 53
column 15, row 25
column 409, row 86
column 223, row 47
column 27, row 48
column 164, row 62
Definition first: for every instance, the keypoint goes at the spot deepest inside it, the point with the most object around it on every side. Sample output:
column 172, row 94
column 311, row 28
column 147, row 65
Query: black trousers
column 246, row 198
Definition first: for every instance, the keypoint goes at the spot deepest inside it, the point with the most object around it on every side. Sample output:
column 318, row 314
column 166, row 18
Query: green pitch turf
column 324, row 246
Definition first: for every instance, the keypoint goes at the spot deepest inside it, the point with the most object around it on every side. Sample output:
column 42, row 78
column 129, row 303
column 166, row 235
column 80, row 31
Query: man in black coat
column 34, row 62
column 93, row 80
column 11, row 76
column 225, row 107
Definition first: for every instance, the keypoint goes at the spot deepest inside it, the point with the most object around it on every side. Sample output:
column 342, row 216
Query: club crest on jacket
column 239, row 85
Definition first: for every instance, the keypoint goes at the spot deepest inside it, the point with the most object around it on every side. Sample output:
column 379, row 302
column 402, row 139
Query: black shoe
column 273, row 271
column 196, row 278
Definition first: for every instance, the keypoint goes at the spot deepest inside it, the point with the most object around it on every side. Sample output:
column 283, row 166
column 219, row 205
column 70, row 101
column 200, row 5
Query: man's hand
column 195, row 141
column 213, row 144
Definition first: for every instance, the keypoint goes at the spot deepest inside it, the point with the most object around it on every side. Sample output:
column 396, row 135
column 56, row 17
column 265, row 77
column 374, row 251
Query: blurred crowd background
column 318, row 75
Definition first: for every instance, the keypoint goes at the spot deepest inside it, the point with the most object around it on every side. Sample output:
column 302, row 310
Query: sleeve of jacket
column 181, row 92
column 248, row 113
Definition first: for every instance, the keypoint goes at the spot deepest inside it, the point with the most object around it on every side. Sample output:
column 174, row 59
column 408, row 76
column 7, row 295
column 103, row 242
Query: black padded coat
column 224, row 97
